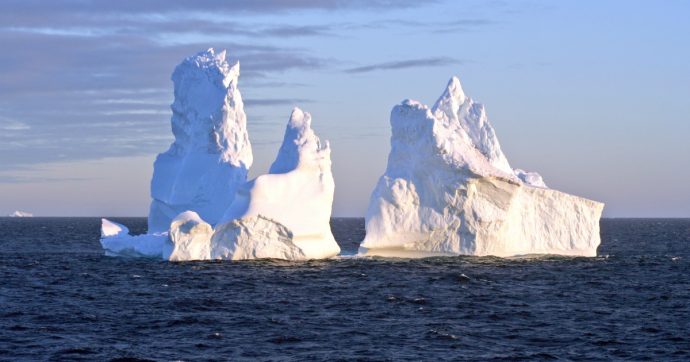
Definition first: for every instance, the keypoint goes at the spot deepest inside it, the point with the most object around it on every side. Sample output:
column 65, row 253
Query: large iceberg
column 448, row 189
column 204, row 208
column 20, row 214
column 211, row 153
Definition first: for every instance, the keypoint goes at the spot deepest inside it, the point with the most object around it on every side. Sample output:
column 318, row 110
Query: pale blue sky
column 591, row 94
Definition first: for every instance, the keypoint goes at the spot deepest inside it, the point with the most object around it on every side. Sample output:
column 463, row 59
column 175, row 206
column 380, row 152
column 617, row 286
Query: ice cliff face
column 448, row 189
column 211, row 153
column 290, row 206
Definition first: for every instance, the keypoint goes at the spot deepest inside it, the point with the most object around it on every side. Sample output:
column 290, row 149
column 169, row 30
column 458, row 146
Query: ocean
column 62, row 299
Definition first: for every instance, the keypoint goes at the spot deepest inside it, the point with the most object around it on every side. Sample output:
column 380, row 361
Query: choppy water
column 61, row 299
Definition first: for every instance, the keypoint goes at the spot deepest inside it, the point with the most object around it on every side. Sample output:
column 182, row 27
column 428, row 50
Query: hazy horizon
column 593, row 97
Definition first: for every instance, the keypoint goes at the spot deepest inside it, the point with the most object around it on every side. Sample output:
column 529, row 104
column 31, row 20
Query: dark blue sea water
column 61, row 299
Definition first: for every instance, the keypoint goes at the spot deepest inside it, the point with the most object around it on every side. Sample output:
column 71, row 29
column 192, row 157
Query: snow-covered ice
column 254, row 237
column 190, row 237
column 448, row 189
column 20, row 214
column 112, row 229
column 530, row 178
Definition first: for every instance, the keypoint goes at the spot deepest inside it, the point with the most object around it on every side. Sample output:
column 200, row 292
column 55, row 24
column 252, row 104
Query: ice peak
column 454, row 88
column 299, row 120
column 208, row 112
column 216, row 64
column 452, row 98
column 301, row 146
column 466, row 120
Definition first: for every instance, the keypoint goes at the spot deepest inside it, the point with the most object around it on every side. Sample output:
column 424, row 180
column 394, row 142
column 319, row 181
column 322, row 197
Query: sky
column 593, row 95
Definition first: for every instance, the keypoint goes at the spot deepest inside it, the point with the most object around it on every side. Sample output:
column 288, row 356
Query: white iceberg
column 203, row 167
column 204, row 208
column 21, row 214
column 211, row 153
column 284, row 214
column 448, row 189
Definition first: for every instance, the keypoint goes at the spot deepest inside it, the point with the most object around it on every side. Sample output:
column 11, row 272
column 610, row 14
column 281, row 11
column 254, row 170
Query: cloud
column 407, row 26
column 276, row 101
column 7, row 124
column 142, row 111
column 92, row 79
column 23, row 179
column 122, row 61
column 27, row 8
column 134, row 17
column 293, row 31
column 461, row 25
column 403, row 64
column 139, row 101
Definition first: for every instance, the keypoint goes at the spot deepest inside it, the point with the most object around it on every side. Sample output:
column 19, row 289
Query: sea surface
column 62, row 299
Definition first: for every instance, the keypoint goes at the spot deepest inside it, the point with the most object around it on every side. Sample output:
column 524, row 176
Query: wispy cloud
column 461, row 25
column 7, row 124
column 403, row 64
column 24, row 179
column 406, row 25
column 100, row 70
column 139, row 101
column 276, row 101
column 156, row 9
column 136, row 112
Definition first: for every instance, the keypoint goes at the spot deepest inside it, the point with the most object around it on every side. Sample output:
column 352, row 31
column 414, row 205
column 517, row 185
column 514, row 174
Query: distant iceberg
column 204, row 208
column 21, row 214
column 448, row 189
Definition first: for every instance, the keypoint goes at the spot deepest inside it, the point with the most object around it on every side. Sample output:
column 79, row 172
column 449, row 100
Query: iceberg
column 290, row 207
column 203, row 167
column 203, row 207
column 448, row 189
column 211, row 154
column 20, row 214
